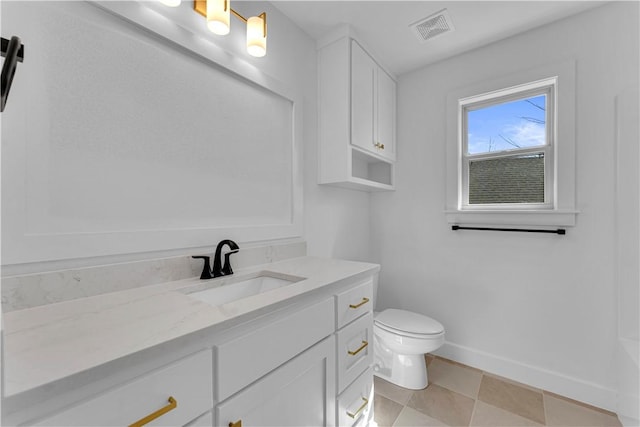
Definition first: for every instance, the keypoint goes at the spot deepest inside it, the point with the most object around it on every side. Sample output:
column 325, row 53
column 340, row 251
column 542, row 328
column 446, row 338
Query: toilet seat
column 408, row 324
column 407, row 334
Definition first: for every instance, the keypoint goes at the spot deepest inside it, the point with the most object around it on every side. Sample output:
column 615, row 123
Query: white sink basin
column 242, row 287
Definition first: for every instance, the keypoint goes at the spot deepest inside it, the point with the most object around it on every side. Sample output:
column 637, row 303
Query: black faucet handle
column 227, row 270
column 206, row 270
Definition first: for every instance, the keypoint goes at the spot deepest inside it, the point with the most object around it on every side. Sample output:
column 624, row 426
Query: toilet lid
column 407, row 321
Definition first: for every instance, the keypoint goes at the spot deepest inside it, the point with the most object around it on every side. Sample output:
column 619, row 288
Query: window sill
column 556, row 218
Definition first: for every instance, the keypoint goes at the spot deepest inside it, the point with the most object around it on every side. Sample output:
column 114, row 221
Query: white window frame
column 563, row 213
column 545, row 87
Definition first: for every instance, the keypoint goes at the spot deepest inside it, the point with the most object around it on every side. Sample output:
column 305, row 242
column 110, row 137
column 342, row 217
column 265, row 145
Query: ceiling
column 384, row 25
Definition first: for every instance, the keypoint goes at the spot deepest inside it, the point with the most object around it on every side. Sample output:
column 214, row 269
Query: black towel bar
column 560, row 231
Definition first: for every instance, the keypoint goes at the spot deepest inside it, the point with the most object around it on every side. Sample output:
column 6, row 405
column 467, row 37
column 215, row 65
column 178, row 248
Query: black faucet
column 217, row 262
column 218, row 269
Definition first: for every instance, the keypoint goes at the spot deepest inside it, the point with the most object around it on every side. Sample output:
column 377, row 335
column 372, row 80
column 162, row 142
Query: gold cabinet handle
column 362, row 347
column 364, row 405
column 173, row 404
column 382, row 146
column 363, row 302
column 236, row 424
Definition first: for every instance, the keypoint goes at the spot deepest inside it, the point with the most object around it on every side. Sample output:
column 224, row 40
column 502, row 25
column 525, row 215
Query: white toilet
column 400, row 340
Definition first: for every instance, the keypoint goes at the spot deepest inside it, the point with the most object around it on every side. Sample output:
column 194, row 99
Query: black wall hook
column 13, row 51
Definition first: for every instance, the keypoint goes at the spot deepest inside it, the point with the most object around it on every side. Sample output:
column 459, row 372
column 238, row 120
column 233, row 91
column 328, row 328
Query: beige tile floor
column 459, row 395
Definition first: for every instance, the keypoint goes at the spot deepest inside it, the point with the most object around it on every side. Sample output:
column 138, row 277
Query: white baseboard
column 555, row 382
column 628, row 382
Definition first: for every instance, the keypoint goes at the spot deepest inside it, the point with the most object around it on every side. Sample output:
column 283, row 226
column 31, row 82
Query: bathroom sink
column 234, row 289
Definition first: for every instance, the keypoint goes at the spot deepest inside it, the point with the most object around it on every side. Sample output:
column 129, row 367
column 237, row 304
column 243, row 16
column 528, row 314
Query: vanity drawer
column 353, row 303
column 243, row 360
column 356, row 402
column 355, row 349
column 189, row 382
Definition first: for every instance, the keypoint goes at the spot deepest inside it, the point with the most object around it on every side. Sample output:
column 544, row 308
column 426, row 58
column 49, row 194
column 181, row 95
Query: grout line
column 473, row 411
column 480, row 388
column 544, row 409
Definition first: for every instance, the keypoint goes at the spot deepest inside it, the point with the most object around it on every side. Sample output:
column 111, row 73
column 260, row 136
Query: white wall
column 336, row 221
column 628, row 255
column 537, row 308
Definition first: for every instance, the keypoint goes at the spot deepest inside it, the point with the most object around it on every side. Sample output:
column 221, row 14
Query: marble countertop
column 39, row 342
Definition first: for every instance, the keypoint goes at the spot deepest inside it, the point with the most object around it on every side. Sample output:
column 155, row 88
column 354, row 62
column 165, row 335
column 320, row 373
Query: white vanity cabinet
column 304, row 361
column 356, row 402
column 206, row 420
column 305, row 390
column 171, row 396
column 354, row 353
column 356, row 116
column 248, row 356
column 281, row 373
column 298, row 393
column 355, row 349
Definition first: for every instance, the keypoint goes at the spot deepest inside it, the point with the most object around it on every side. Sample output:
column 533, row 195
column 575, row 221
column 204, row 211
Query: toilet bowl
column 400, row 340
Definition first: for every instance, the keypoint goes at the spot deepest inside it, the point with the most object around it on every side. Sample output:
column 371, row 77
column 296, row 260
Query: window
column 507, row 148
column 519, row 170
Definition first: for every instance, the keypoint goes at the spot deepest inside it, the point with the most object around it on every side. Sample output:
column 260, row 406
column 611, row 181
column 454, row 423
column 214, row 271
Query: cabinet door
column 386, row 137
column 363, row 100
column 299, row 393
column 277, row 342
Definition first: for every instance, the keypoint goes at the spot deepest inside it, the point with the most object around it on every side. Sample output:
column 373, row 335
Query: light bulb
column 257, row 35
column 218, row 16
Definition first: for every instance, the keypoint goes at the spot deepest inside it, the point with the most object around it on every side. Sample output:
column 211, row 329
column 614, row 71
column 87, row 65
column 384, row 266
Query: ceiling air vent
column 433, row 26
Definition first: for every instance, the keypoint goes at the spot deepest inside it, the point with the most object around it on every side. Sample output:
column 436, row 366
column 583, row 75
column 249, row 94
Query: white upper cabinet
column 356, row 116
column 386, row 115
column 373, row 105
column 363, row 98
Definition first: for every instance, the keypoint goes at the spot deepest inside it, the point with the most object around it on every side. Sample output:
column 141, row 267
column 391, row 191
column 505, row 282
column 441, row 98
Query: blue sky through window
column 507, row 126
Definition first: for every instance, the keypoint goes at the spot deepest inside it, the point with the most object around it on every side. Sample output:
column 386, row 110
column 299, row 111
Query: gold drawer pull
column 236, row 424
column 362, row 347
column 173, row 404
column 364, row 301
column 364, row 405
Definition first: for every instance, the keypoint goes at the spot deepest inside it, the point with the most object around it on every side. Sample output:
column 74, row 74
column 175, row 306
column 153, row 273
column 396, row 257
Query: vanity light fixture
column 218, row 14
